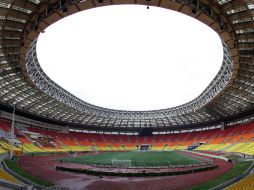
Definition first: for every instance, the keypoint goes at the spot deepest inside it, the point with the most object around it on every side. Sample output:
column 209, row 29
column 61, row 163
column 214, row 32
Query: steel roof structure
column 23, row 83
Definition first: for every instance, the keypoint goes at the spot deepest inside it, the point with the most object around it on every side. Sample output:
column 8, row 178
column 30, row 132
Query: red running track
column 43, row 167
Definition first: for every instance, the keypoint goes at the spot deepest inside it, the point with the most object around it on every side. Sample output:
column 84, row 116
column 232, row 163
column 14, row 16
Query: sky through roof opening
column 127, row 57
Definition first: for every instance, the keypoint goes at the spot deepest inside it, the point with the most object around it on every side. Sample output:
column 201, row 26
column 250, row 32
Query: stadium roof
column 23, row 83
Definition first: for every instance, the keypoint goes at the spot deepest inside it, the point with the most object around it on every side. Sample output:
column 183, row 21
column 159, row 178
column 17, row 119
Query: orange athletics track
column 44, row 167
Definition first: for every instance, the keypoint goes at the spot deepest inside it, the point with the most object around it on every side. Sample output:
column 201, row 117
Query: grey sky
column 130, row 57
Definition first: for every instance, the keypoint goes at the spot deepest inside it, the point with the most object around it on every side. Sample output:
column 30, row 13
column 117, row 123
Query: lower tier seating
column 246, row 183
column 238, row 138
column 7, row 177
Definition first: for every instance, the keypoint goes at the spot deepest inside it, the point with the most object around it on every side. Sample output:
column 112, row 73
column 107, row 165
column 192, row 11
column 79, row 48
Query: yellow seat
column 7, row 177
column 246, row 183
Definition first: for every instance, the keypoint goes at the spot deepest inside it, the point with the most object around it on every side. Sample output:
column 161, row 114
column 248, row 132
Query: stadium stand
column 2, row 150
column 238, row 138
column 245, row 184
column 7, row 177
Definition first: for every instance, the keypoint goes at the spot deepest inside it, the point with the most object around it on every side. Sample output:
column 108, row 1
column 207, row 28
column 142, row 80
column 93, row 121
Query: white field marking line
column 209, row 155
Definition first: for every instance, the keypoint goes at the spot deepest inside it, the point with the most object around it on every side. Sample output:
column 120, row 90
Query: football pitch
column 137, row 158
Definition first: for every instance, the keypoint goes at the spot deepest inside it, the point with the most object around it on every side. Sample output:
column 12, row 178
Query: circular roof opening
column 128, row 57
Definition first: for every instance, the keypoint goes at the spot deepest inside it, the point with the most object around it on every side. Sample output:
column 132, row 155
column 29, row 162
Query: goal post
column 123, row 163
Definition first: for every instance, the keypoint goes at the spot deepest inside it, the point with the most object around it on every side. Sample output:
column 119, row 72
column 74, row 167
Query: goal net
column 124, row 163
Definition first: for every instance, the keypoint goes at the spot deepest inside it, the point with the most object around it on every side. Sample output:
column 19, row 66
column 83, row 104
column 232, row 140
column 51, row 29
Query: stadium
column 52, row 139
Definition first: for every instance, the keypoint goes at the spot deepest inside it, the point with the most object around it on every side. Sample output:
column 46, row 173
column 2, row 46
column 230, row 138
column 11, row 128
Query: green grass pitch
column 137, row 158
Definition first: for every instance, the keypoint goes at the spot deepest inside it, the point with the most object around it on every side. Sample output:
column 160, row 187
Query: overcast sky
column 130, row 57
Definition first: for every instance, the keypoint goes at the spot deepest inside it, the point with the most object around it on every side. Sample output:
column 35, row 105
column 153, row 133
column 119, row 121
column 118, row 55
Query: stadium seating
column 2, row 150
column 7, row 177
column 246, row 183
column 238, row 138
column 233, row 139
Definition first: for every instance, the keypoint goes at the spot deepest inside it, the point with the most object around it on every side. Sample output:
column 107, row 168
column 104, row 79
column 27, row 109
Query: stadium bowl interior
column 62, row 142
